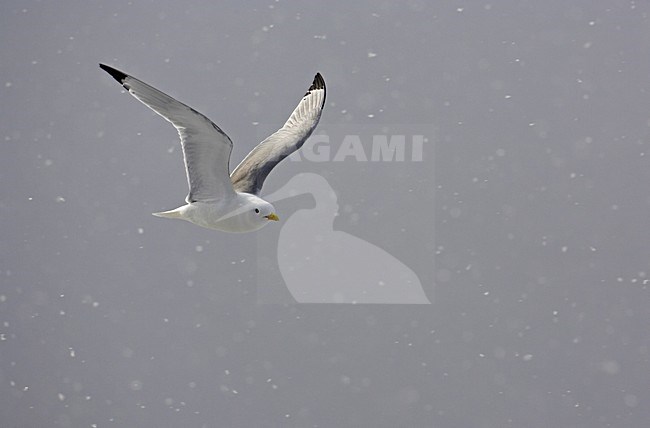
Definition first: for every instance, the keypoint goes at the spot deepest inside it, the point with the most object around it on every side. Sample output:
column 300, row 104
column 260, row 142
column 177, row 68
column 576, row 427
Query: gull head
column 251, row 213
column 264, row 211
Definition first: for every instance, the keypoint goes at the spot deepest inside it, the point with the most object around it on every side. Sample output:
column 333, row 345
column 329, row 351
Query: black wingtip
column 117, row 74
column 319, row 82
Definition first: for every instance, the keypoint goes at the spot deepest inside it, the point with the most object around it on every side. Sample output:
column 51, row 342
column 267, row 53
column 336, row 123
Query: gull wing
column 206, row 148
column 250, row 174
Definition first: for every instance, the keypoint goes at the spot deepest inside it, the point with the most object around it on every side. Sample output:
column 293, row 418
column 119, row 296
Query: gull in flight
column 218, row 199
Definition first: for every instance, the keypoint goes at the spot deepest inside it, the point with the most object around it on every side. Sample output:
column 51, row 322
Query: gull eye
column 257, row 210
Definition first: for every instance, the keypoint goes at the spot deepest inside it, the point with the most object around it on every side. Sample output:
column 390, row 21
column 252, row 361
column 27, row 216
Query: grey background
column 539, row 212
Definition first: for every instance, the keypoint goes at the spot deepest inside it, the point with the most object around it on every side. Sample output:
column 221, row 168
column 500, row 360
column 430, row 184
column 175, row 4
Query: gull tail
column 175, row 213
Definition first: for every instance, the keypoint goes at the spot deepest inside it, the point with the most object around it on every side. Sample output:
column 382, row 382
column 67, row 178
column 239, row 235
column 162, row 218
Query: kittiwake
column 218, row 199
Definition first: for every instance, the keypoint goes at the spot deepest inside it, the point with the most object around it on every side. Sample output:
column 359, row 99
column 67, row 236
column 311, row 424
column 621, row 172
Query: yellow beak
column 272, row 217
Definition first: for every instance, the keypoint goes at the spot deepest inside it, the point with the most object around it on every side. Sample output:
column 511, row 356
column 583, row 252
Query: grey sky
column 526, row 221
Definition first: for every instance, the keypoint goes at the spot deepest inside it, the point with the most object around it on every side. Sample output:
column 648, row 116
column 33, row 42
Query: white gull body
column 217, row 199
